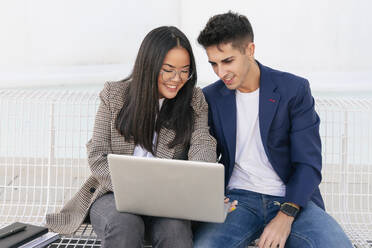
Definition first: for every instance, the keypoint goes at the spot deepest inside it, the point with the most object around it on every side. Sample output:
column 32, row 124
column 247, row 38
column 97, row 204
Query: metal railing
column 43, row 157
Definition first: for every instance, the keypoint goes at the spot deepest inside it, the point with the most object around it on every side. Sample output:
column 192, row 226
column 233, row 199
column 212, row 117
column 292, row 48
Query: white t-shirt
column 252, row 170
column 139, row 151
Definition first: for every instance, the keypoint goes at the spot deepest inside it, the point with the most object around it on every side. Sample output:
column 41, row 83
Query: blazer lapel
column 165, row 136
column 227, row 109
column 268, row 103
column 128, row 148
column 119, row 145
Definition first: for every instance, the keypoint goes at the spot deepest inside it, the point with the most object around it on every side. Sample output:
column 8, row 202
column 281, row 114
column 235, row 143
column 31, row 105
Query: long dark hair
column 140, row 118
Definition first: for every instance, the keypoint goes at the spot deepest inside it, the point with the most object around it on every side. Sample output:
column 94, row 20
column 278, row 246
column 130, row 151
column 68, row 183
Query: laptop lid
column 168, row 188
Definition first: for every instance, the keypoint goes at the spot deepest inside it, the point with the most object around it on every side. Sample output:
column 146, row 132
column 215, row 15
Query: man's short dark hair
column 225, row 28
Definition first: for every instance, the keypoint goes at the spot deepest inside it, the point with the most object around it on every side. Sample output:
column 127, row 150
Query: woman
column 155, row 112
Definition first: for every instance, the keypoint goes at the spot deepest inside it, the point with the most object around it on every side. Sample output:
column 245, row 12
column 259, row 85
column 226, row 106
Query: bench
column 43, row 158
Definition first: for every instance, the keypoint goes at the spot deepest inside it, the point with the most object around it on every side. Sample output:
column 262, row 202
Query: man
column 268, row 138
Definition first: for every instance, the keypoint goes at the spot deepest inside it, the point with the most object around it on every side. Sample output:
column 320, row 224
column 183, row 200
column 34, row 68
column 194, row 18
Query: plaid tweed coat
column 106, row 139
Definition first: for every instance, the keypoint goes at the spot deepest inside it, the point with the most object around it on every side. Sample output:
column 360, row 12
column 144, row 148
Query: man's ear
column 250, row 49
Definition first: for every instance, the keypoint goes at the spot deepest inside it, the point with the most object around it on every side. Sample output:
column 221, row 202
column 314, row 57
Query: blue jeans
column 313, row 227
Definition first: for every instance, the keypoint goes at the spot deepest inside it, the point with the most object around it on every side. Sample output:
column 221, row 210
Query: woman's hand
column 233, row 204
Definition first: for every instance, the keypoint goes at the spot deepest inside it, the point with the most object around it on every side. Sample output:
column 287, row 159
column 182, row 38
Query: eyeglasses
column 168, row 75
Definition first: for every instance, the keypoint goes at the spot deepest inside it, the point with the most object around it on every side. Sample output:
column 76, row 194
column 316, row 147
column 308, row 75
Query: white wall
column 80, row 41
column 74, row 41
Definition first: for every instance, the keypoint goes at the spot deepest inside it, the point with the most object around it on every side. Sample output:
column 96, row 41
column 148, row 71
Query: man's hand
column 233, row 204
column 276, row 232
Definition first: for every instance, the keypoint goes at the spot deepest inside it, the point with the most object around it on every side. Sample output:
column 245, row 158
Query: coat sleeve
column 202, row 144
column 305, row 148
column 99, row 146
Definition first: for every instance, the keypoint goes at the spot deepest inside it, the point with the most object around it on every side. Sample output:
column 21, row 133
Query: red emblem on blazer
column 271, row 100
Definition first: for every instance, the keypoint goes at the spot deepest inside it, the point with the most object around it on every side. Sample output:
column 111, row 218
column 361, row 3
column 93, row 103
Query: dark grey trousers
column 118, row 229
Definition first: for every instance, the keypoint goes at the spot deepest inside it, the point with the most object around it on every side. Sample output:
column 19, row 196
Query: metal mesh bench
column 43, row 158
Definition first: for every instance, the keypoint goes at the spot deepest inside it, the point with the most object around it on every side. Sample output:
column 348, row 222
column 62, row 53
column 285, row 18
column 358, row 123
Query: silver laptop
column 168, row 188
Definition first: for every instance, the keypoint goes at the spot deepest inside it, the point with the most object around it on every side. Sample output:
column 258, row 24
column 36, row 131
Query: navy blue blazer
column 289, row 128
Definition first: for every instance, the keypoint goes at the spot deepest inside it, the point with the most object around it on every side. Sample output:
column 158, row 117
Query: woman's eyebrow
column 175, row 67
column 170, row 65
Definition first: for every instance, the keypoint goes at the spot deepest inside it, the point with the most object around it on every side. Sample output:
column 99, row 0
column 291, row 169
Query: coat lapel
column 128, row 148
column 118, row 143
column 268, row 103
column 164, row 138
column 227, row 109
